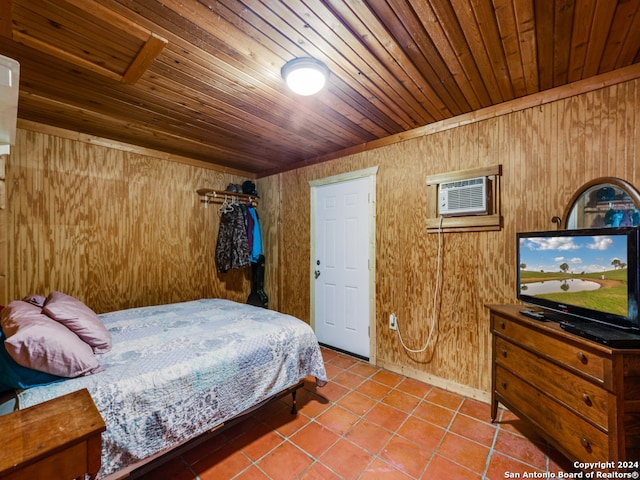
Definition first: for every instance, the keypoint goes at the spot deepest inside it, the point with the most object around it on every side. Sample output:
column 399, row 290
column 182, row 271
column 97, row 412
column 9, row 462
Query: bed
column 176, row 371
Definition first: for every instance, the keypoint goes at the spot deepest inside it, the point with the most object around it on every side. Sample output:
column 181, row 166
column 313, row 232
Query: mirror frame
column 629, row 189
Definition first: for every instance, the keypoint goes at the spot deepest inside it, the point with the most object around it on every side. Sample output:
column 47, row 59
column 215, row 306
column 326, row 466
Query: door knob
column 317, row 273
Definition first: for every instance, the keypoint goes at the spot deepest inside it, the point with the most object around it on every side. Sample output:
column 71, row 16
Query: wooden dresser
column 583, row 397
column 57, row 440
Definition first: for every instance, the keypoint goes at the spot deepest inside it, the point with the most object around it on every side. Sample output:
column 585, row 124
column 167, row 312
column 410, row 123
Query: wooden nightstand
column 57, row 440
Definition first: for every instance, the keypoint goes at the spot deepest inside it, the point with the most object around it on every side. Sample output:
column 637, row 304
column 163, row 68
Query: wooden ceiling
column 201, row 78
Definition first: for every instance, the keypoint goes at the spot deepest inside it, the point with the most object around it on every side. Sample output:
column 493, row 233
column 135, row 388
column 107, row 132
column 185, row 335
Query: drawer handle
column 504, row 385
column 502, row 324
column 586, row 444
column 587, row 399
column 504, row 353
column 582, row 357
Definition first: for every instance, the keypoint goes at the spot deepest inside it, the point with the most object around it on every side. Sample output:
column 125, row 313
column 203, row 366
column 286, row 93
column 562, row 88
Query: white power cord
column 435, row 298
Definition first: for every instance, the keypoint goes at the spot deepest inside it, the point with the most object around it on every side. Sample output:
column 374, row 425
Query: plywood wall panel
column 295, row 248
column 269, row 191
column 117, row 229
column 628, row 148
column 547, row 152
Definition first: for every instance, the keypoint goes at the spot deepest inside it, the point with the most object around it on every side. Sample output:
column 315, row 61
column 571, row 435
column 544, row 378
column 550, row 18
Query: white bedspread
column 176, row 371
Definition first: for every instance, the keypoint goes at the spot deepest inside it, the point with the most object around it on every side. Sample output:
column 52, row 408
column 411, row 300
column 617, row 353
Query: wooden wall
column 547, row 152
column 112, row 226
column 118, row 227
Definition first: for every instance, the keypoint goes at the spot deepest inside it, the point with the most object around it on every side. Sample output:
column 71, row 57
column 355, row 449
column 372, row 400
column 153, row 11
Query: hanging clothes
column 250, row 225
column 255, row 246
column 232, row 247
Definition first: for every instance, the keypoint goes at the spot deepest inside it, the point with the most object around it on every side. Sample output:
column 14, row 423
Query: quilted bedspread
column 176, row 371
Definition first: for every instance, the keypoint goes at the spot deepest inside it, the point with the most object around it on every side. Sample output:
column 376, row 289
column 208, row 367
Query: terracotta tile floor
column 368, row 423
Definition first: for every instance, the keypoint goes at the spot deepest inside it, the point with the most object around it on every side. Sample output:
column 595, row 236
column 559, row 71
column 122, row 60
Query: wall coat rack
column 222, row 196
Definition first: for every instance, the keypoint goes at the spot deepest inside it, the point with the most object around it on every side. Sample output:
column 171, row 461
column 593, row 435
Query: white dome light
column 305, row 76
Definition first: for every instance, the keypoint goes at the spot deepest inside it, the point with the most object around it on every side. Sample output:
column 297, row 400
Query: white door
column 341, row 265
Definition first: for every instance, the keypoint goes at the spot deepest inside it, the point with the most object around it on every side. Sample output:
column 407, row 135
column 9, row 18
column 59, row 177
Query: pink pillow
column 34, row 299
column 80, row 319
column 35, row 341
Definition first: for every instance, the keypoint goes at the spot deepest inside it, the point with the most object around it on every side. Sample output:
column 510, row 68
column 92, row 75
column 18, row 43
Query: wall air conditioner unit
column 464, row 197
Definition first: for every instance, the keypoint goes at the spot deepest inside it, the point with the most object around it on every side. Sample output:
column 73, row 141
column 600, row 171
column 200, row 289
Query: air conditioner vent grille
column 463, row 183
column 464, row 197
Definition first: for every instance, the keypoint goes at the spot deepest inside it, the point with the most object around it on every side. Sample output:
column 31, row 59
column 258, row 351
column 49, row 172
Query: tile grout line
column 492, row 448
column 286, row 439
column 342, row 436
column 361, row 417
column 373, row 456
column 456, row 412
column 411, row 414
column 189, row 467
column 384, row 389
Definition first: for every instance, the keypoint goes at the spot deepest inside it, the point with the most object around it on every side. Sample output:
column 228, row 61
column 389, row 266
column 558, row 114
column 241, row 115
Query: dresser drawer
column 584, row 397
column 570, row 434
column 578, row 357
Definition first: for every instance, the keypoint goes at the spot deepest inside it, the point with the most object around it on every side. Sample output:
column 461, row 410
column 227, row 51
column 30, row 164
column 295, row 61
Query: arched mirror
column 603, row 202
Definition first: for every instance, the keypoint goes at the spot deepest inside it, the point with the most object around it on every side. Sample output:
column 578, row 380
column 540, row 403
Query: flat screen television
column 587, row 273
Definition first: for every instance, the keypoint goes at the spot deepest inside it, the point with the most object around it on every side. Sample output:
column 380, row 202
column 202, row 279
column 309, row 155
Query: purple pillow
column 36, row 341
column 13, row 375
column 34, row 299
column 80, row 319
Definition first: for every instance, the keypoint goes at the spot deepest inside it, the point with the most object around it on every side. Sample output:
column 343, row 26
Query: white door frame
column 371, row 174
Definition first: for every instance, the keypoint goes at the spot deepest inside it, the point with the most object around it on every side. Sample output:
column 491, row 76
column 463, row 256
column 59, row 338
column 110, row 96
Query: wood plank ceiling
column 201, row 78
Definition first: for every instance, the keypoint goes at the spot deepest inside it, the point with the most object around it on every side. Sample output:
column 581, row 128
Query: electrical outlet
column 393, row 322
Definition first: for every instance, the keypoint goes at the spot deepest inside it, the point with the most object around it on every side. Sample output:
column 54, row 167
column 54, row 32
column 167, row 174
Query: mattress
column 176, row 371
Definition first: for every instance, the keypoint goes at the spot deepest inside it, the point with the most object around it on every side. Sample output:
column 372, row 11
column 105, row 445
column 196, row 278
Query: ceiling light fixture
column 305, row 75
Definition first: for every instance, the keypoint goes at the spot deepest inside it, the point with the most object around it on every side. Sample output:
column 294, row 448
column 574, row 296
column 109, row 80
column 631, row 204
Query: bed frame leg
column 294, row 405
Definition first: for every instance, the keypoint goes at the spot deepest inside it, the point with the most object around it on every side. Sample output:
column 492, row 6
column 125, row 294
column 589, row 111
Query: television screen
column 590, row 273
